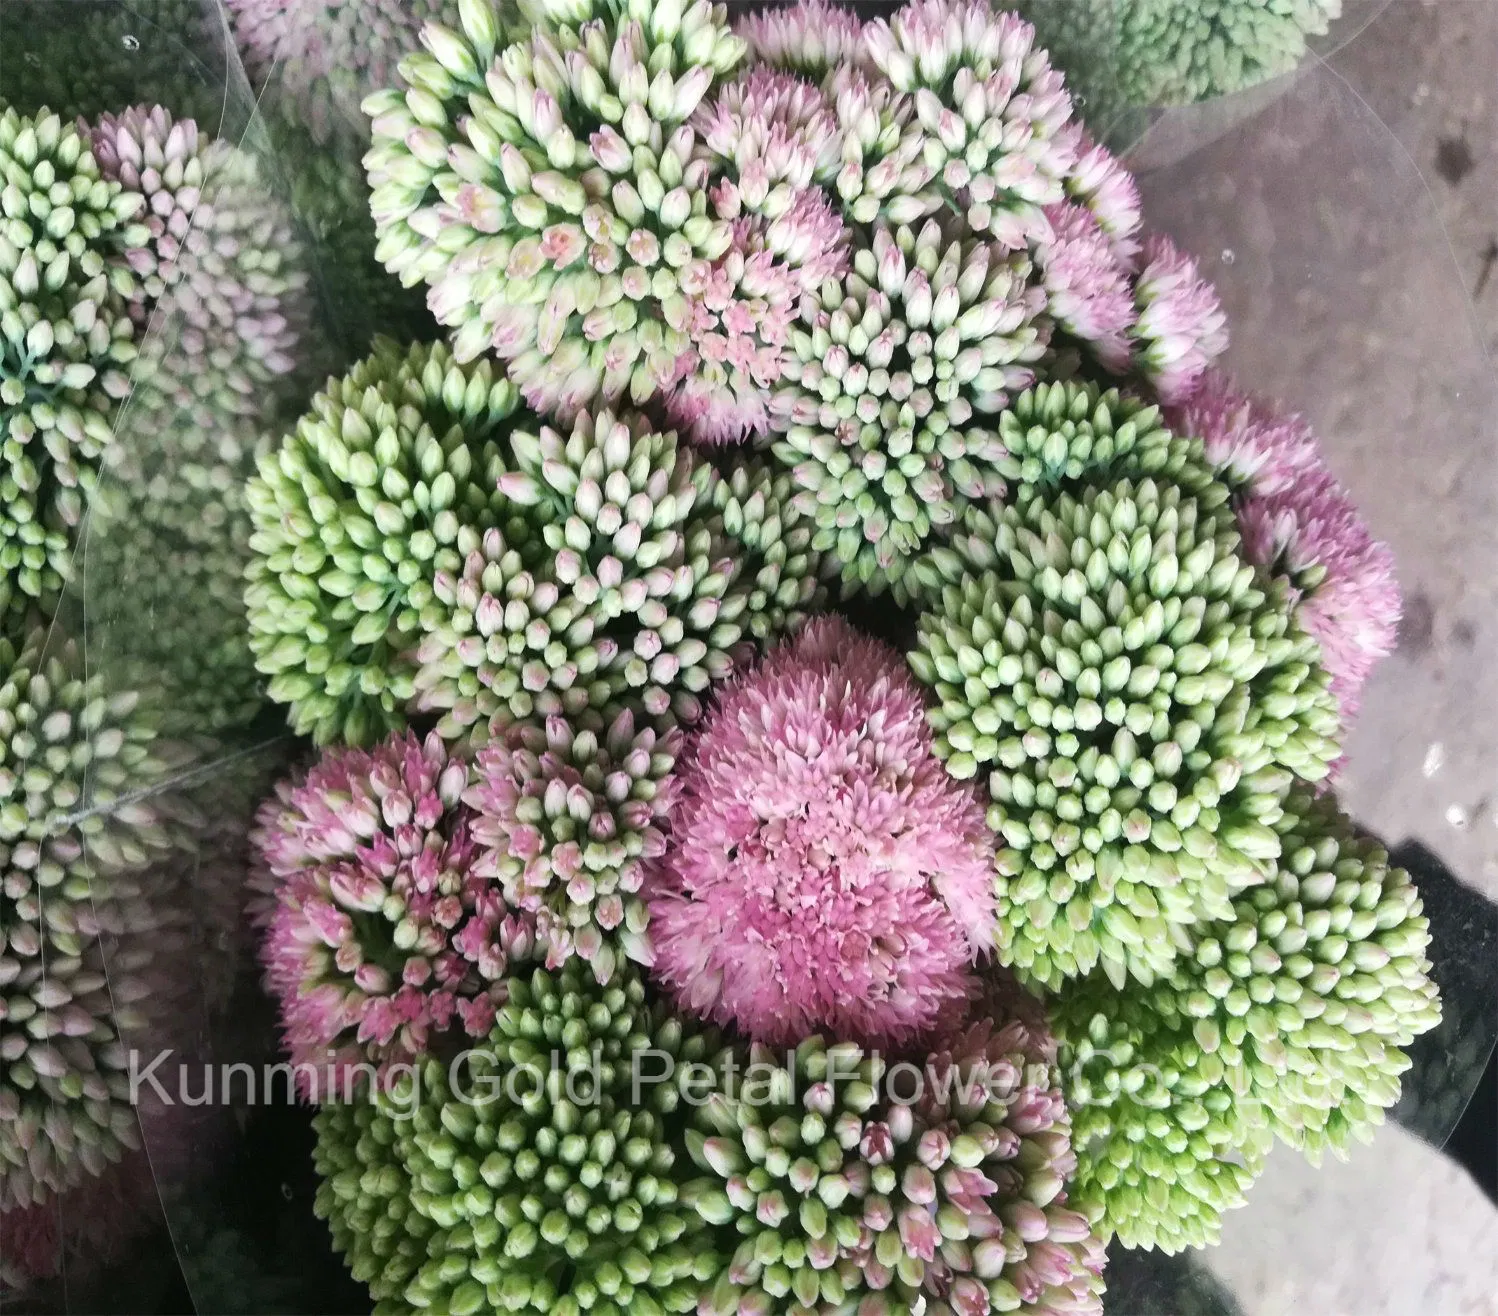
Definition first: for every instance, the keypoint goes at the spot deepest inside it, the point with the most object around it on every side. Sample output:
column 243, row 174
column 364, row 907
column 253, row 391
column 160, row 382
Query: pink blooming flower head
column 1087, row 286
column 384, row 932
column 813, row 37
column 1100, row 182
column 566, row 817
column 1310, row 531
column 776, row 133
column 824, row 873
column 1181, row 328
column 1257, row 449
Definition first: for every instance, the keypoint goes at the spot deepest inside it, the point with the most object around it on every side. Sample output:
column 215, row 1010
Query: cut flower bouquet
column 814, row 614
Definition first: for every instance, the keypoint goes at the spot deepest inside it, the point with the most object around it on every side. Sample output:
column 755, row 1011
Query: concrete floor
column 1350, row 218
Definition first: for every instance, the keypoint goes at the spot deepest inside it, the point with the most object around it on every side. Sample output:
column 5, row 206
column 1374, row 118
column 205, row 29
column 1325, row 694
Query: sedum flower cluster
column 67, row 344
column 735, row 313
column 77, row 847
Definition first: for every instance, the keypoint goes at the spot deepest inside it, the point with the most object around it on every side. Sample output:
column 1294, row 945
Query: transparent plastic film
column 1346, row 304
column 193, row 326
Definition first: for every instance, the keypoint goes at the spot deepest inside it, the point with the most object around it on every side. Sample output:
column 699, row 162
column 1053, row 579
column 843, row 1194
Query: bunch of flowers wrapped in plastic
column 1053, row 920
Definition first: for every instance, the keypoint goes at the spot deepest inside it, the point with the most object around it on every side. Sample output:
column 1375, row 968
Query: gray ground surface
column 1352, row 225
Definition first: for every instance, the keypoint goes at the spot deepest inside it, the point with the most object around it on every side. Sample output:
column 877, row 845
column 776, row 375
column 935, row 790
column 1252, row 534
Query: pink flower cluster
column 1310, row 530
column 567, row 818
column 383, row 934
column 739, row 311
column 825, row 874
column 1298, row 522
column 1181, row 327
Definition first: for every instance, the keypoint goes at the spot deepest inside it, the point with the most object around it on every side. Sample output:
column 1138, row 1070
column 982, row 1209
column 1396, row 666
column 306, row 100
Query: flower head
column 1256, row 448
column 1087, row 287
column 1101, row 183
column 567, row 818
column 223, row 265
column 824, row 873
column 597, row 589
column 740, row 310
column 1347, row 597
column 1181, row 328
column 74, row 839
column 364, row 1193
column 814, row 38
column 848, row 1195
column 896, row 368
column 578, row 1201
column 551, row 193
column 68, row 343
column 781, row 579
column 991, row 110
column 354, row 514
column 1348, row 930
column 1286, row 1019
column 1172, row 52
column 1167, row 1143
column 384, row 933
column 774, row 133
column 1140, row 702
column 324, row 59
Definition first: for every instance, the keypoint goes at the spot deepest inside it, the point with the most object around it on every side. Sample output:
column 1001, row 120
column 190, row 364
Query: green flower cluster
column 1065, row 436
column 555, row 1192
column 848, row 1197
column 65, row 345
column 780, row 579
column 597, row 589
column 74, row 839
column 354, row 515
column 1140, row 702
column 365, row 1196
column 1287, row 1020
column 895, row 372
column 548, row 190
column 1178, row 52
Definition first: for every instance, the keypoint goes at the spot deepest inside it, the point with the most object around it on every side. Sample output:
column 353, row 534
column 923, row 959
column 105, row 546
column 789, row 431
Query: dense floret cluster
column 726, row 322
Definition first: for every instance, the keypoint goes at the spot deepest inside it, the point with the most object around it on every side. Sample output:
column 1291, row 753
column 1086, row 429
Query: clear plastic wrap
column 1343, row 302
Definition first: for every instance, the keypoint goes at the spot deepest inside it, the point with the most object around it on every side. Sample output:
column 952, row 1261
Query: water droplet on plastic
column 1228, row 255
column 130, row 41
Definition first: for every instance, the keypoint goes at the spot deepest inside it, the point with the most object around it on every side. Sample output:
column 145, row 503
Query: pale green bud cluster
column 1316, row 982
column 355, row 514
column 1168, row 1137
column 65, row 344
column 1067, row 435
column 365, row 1197
column 896, row 370
column 598, row 589
column 548, row 190
column 553, row 1200
column 1141, row 703
column 1175, row 52
column 781, row 579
